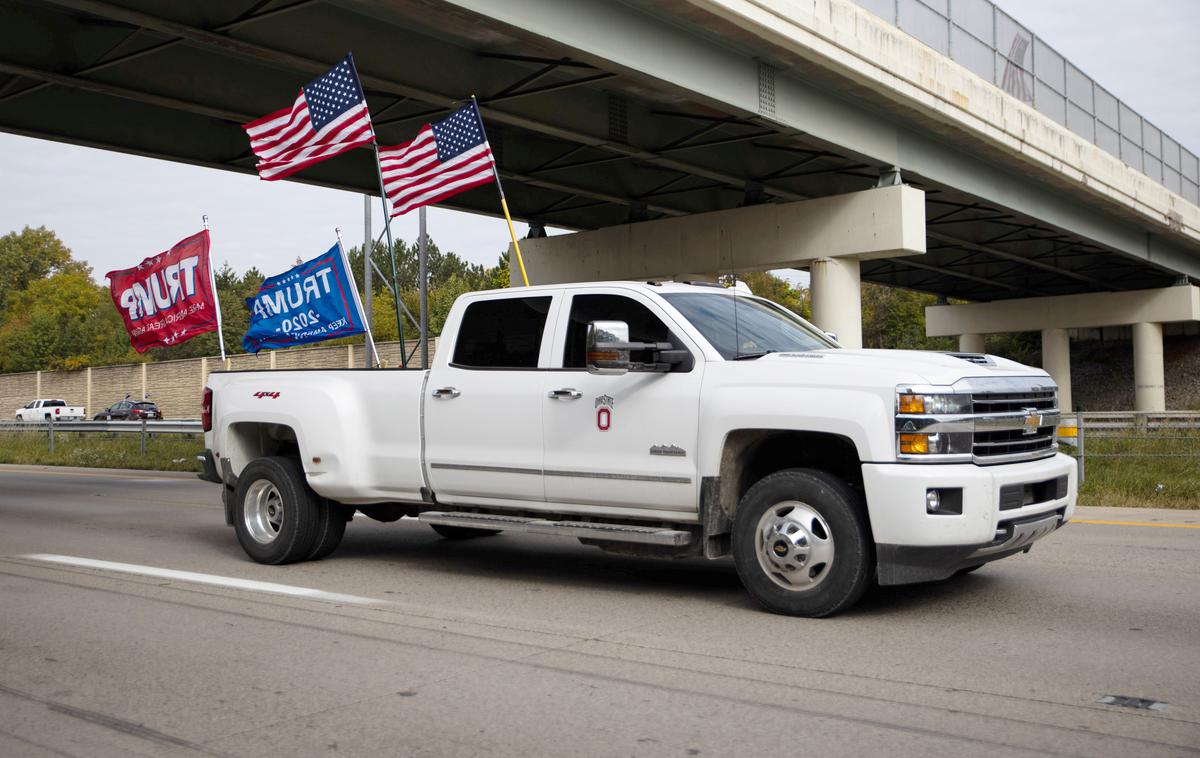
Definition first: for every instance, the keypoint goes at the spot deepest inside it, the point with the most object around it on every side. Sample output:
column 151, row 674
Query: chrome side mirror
column 832, row 336
column 607, row 347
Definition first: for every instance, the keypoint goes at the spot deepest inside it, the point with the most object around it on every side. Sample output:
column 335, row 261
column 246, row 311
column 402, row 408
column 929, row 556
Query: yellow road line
column 1133, row 523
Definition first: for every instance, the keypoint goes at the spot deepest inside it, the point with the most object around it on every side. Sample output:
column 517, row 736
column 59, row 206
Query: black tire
column 461, row 532
column 276, row 486
column 823, row 559
column 331, row 527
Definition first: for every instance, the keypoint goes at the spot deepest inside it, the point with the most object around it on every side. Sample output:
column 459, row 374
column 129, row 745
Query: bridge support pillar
column 971, row 343
column 1144, row 310
column 1149, row 392
column 1056, row 360
column 837, row 298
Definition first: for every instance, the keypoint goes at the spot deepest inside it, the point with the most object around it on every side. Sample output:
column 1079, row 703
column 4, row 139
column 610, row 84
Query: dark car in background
column 129, row 410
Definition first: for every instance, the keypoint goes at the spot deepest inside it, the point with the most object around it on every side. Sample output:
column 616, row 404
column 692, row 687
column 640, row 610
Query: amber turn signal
column 912, row 404
column 914, row 444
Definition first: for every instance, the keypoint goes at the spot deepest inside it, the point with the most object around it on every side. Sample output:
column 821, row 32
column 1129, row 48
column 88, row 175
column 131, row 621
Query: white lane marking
column 211, row 579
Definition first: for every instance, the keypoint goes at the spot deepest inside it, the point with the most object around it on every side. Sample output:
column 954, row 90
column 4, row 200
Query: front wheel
column 277, row 517
column 801, row 544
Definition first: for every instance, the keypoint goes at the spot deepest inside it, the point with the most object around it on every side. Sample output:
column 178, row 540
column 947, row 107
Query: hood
column 916, row 366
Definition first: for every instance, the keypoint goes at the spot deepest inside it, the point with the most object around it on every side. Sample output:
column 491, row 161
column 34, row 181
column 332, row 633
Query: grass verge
column 163, row 452
column 1150, row 470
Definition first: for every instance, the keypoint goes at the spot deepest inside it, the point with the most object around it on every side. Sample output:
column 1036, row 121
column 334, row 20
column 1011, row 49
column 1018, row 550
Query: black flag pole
column 387, row 224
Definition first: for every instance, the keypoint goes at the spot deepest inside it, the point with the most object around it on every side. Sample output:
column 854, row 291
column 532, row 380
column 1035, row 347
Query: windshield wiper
column 751, row 356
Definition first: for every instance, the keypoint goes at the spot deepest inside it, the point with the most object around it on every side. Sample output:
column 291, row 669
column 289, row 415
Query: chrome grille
column 1007, row 402
column 1014, row 444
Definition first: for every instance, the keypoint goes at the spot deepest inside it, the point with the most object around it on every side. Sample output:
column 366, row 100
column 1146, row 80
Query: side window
column 503, row 333
column 644, row 326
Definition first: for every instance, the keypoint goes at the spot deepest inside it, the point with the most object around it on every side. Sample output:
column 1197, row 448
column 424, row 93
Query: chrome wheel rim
column 794, row 546
column 263, row 512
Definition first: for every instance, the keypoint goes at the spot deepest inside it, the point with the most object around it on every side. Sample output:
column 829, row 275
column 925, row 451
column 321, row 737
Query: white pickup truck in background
column 657, row 419
column 51, row 410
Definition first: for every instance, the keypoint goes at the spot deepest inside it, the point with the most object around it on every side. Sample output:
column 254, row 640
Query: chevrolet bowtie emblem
column 1033, row 420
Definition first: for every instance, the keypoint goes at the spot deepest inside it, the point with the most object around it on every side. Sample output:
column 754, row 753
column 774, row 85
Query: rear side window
column 503, row 333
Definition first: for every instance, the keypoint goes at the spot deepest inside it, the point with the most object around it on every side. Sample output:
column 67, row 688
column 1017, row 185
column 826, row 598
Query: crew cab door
column 483, row 402
column 624, row 441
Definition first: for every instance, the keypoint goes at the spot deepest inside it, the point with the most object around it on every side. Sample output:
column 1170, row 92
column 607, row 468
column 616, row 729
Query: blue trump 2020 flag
column 313, row 301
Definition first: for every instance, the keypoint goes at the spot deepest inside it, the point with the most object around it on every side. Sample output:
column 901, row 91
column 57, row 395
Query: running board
column 646, row 535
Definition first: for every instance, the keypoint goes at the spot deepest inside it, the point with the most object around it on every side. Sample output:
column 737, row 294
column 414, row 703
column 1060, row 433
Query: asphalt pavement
column 131, row 623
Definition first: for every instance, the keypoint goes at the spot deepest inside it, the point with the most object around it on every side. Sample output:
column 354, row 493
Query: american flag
column 445, row 158
column 329, row 117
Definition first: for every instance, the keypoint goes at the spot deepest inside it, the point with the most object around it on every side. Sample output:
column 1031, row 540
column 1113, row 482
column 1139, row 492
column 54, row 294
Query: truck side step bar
column 646, row 535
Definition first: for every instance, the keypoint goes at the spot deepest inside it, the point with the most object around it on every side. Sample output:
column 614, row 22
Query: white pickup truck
column 658, row 419
column 51, row 410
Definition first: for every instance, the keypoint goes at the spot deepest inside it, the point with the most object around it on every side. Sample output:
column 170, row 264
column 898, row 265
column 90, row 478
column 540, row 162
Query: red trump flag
column 167, row 298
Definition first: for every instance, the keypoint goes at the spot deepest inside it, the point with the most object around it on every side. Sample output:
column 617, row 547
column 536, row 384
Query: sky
column 112, row 210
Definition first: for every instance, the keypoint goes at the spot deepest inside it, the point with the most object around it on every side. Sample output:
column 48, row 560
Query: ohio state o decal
column 603, row 419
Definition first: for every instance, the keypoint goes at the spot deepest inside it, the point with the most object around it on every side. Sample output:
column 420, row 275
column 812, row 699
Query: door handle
column 448, row 392
column 569, row 393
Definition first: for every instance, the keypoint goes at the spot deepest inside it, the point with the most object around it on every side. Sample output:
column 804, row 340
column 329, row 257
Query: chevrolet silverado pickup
column 666, row 419
column 50, row 410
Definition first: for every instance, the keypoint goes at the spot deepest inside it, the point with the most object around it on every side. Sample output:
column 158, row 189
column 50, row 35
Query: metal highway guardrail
column 144, row 428
column 1167, row 434
column 165, row 426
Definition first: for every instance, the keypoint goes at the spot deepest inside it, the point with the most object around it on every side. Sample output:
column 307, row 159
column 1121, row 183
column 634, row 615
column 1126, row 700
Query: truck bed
column 358, row 430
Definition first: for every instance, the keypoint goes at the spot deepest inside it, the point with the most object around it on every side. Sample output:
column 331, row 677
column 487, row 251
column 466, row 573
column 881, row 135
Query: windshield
column 758, row 327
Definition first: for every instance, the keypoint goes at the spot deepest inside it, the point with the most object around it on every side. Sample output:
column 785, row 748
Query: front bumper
column 914, row 545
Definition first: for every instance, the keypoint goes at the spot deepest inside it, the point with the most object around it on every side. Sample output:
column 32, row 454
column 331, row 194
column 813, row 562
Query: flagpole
column 387, row 224
column 368, row 286
column 503, row 202
column 212, row 278
column 357, row 300
column 423, row 280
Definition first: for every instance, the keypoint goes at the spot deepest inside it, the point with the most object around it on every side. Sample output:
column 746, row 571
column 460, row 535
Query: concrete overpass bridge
column 693, row 137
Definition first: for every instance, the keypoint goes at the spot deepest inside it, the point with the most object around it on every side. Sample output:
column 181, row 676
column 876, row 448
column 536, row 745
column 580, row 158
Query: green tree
column 777, row 290
column 1022, row 347
column 30, row 255
column 895, row 318
column 66, row 322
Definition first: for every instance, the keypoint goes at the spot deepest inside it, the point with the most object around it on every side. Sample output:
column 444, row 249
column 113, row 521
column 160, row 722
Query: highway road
column 131, row 623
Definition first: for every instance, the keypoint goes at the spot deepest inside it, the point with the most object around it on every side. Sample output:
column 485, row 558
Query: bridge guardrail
column 983, row 38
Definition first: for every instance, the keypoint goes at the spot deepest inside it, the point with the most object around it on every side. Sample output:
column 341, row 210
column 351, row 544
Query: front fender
column 859, row 415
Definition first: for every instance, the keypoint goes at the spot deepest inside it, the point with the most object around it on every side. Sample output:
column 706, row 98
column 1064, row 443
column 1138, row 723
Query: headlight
column 922, row 427
column 933, row 405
